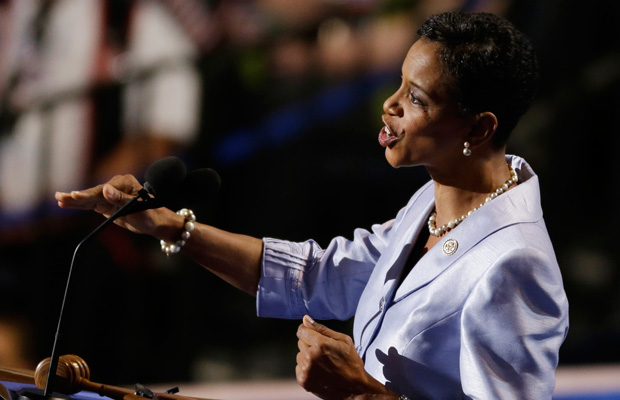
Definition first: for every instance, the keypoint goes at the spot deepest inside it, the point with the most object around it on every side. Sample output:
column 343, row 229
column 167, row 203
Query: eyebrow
column 412, row 83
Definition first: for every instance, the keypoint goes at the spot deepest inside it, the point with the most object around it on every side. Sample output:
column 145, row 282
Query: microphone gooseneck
column 142, row 194
column 166, row 181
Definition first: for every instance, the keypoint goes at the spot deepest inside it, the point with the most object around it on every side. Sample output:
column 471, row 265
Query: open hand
column 107, row 198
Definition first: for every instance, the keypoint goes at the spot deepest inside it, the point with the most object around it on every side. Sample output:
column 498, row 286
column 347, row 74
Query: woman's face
column 423, row 125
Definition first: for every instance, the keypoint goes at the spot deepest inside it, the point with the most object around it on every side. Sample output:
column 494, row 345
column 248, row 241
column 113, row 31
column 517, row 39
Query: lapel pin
column 450, row 246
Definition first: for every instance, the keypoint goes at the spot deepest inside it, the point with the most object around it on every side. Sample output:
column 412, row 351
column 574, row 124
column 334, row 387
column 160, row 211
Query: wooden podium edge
column 18, row 375
column 4, row 392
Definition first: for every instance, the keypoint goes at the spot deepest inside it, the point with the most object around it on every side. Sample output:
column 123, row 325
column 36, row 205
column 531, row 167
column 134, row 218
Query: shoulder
column 521, row 249
column 522, row 274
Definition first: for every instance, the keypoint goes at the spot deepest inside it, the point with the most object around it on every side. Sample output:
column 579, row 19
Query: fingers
column 302, row 346
column 115, row 196
column 102, row 198
column 307, row 379
column 322, row 329
column 80, row 199
column 126, row 183
column 312, row 333
column 328, row 365
column 308, row 321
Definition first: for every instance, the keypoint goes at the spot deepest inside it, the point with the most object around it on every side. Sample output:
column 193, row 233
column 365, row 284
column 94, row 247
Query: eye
column 415, row 100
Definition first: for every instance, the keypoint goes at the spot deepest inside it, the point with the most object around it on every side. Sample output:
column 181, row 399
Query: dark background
column 136, row 315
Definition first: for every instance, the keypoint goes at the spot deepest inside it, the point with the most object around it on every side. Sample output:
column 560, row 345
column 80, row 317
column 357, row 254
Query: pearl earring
column 466, row 149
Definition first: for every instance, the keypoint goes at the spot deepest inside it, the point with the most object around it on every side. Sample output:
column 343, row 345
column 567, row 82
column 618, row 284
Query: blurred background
column 283, row 98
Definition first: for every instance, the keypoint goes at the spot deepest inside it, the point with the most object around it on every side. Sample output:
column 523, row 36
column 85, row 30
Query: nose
column 392, row 106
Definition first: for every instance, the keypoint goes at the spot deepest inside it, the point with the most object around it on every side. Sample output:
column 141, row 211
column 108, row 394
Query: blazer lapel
column 377, row 297
column 505, row 210
column 517, row 205
column 396, row 263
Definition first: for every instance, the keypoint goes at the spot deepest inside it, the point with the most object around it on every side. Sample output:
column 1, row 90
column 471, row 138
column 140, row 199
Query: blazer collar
column 518, row 205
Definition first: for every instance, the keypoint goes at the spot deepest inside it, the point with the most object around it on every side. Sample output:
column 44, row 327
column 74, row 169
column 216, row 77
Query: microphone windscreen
column 200, row 185
column 163, row 178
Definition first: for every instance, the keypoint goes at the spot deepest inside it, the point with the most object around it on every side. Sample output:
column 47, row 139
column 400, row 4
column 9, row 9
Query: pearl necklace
column 453, row 224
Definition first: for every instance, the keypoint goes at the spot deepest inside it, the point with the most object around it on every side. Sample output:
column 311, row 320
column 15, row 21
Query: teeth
column 388, row 131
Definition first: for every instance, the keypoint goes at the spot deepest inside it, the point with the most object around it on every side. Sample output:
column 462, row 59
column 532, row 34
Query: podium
column 72, row 383
column 19, row 390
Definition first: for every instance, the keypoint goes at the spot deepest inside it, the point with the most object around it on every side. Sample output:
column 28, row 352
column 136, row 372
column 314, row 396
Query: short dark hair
column 492, row 65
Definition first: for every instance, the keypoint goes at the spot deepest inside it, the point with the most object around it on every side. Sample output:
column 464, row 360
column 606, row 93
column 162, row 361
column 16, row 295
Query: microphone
column 167, row 183
column 162, row 181
column 197, row 186
column 164, row 177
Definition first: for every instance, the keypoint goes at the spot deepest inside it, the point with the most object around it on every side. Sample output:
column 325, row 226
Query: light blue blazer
column 482, row 315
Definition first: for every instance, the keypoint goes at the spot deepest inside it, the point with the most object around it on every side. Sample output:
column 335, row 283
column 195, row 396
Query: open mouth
column 387, row 136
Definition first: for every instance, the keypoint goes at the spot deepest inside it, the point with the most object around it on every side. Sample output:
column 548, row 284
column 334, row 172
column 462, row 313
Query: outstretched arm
column 235, row 258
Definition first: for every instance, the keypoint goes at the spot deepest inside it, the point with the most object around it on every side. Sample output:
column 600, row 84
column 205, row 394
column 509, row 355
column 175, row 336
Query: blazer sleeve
column 303, row 278
column 514, row 322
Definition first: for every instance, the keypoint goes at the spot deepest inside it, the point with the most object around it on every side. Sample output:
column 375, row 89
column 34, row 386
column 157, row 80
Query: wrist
column 373, row 389
column 189, row 220
column 168, row 225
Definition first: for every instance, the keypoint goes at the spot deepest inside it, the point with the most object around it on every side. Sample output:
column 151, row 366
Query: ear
column 483, row 130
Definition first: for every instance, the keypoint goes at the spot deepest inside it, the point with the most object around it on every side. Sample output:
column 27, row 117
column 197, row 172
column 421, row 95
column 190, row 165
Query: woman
column 460, row 295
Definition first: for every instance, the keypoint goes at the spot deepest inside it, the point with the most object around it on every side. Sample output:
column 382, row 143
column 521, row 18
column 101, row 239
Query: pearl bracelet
column 188, row 226
column 403, row 397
